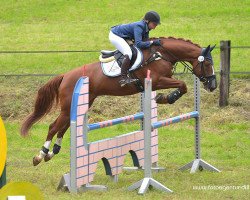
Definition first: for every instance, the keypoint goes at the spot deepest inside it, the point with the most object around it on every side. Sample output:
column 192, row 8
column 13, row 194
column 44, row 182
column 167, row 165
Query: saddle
column 111, row 61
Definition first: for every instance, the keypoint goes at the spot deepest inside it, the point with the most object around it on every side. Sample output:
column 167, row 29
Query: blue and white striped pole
column 112, row 122
column 176, row 119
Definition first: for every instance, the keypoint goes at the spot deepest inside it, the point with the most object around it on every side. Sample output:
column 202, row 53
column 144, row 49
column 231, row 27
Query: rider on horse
column 137, row 32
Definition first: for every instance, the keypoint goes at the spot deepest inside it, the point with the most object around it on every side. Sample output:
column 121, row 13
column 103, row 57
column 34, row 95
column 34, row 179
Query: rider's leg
column 124, row 48
column 124, row 72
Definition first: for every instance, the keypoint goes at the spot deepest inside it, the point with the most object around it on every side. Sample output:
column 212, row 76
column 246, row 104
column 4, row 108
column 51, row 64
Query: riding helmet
column 152, row 16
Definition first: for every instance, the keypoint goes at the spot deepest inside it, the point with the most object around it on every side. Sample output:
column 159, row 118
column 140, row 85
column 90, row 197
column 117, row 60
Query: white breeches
column 120, row 44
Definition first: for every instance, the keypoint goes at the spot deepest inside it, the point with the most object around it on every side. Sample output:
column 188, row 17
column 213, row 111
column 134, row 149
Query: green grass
column 175, row 147
column 84, row 25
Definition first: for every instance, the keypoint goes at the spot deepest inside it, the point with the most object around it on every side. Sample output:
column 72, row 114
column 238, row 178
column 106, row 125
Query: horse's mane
column 182, row 39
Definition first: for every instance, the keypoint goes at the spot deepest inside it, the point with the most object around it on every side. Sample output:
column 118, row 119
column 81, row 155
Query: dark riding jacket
column 137, row 31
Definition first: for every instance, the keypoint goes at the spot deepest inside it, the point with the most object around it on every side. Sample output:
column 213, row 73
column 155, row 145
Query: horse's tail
column 45, row 99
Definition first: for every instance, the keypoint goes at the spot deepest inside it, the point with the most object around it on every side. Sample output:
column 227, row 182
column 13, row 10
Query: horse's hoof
column 161, row 98
column 47, row 158
column 36, row 160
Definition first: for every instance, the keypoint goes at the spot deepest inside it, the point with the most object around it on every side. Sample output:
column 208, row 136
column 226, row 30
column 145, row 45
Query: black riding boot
column 125, row 79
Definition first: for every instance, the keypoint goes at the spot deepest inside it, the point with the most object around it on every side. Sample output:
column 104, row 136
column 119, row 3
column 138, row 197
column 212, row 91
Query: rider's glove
column 157, row 42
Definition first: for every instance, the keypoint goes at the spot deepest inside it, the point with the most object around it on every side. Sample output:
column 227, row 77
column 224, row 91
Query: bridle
column 205, row 56
column 201, row 61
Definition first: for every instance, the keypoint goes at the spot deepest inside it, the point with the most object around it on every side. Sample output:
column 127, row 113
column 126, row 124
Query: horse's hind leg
column 60, row 134
column 60, row 125
column 58, row 143
column 45, row 148
column 61, row 121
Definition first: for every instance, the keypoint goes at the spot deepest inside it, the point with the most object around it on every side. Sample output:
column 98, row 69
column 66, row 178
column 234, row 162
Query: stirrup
column 127, row 81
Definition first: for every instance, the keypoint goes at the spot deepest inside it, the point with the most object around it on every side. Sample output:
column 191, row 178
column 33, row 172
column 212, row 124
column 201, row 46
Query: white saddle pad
column 112, row 68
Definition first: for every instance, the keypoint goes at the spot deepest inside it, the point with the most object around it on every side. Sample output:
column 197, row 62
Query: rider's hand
column 157, row 42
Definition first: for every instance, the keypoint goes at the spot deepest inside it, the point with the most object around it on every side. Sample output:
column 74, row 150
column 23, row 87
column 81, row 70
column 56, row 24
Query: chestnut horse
column 61, row 87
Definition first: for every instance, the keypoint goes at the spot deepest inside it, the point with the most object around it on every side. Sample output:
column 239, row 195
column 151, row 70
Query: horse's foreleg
column 166, row 83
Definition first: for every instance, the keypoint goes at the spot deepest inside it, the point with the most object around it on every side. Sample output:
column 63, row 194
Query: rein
column 155, row 55
column 186, row 66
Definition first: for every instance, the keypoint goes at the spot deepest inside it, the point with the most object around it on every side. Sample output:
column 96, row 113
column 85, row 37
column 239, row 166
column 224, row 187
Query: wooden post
column 225, row 50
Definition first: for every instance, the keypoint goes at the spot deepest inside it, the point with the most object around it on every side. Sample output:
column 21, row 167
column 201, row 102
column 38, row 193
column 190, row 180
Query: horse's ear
column 206, row 50
column 211, row 49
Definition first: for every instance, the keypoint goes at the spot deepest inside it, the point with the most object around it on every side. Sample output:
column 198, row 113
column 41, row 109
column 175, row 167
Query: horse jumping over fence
column 160, row 60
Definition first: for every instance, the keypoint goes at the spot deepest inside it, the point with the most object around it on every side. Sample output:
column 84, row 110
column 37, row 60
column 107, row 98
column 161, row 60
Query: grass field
column 84, row 25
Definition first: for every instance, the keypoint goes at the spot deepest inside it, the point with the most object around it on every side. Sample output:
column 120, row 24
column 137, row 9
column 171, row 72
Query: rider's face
column 152, row 25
